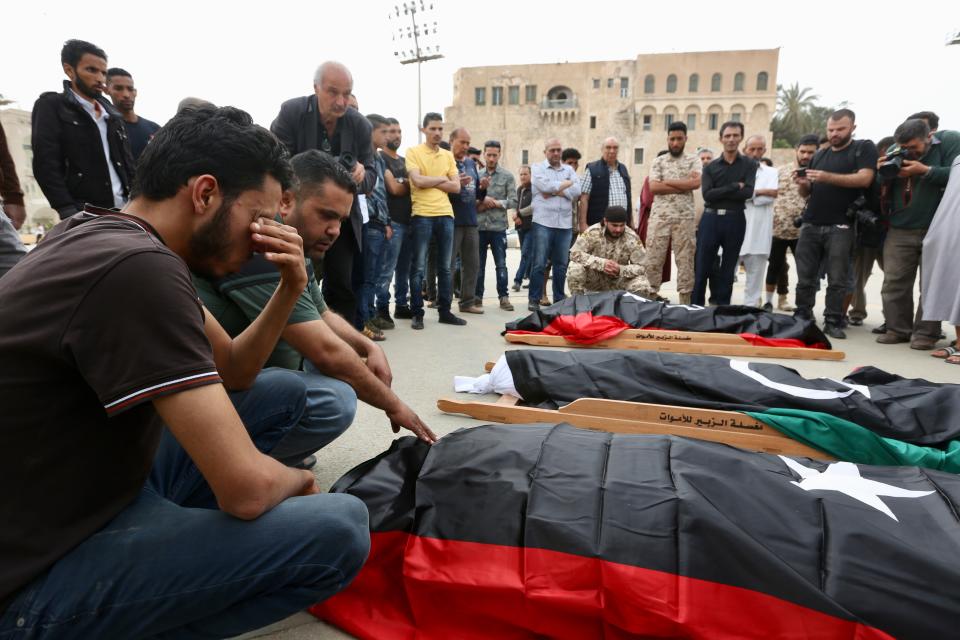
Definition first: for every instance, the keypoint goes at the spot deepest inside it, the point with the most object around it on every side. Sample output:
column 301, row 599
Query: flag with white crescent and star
column 548, row 531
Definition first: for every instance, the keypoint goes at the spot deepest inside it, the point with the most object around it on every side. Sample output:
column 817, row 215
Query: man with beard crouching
column 609, row 256
column 143, row 506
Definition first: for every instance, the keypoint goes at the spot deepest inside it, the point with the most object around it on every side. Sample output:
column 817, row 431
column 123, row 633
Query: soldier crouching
column 609, row 256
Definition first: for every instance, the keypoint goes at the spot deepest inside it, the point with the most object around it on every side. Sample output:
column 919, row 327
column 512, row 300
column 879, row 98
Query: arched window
column 738, row 81
column 560, row 97
column 694, row 85
column 649, row 84
column 762, row 79
column 671, row 83
column 715, row 82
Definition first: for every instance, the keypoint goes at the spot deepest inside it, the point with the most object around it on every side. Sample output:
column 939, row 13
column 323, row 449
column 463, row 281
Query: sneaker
column 516, row 286
column 880, row 330
column 767, row 306
column 505, row 304
column 373, row 332
column 892, row 337
column 474, row 308
column 834, row 331
column 448, row 318
column 383, row 319
column 533, row 306
column 402, row 312
column 526, row 285
column 923, row 343
column 856, row 322
column 417, row 322
column 783, row 304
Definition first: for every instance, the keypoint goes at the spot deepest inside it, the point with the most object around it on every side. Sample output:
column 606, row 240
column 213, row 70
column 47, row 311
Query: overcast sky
column 874, row 55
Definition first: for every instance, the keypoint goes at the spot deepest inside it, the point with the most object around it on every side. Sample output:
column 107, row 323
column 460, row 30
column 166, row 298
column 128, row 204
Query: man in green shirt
column 337, row 362
column 911, row 197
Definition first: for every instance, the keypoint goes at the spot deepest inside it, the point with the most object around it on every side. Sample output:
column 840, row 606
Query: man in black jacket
column 606, row 184
column 80, row 150
column 323, row 121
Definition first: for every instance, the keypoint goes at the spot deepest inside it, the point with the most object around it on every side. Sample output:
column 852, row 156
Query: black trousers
column 338, row 274
column 832, row 245
column 778, row 267
column 716, row 231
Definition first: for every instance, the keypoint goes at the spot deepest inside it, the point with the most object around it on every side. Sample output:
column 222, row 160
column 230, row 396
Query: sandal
column 946, row 353
column 954, row 359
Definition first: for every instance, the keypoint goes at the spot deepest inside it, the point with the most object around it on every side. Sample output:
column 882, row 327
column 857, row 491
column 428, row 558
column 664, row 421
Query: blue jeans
column 172, row 565
column 552, row 244
column 526, row 260
column 497, row 241
column 717, row 231
column 439, row 228
column 375, row 247
column 388, row 265
column 403, row 275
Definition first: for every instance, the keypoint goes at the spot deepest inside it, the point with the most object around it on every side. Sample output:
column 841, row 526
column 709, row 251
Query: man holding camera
column 835, row 179
column 323, row 121
column 913, row 176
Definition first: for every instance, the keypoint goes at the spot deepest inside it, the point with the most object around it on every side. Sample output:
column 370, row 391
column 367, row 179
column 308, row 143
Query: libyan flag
column 593, row 317
column 548, row 531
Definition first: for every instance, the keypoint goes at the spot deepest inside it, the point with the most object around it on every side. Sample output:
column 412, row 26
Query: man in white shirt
column 755, row 250
column 81, row 154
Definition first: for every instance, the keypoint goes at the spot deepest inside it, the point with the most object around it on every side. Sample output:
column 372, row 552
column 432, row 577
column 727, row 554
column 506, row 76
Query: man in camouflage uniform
column 788, row 207
column 608, row 256
column 674, row 176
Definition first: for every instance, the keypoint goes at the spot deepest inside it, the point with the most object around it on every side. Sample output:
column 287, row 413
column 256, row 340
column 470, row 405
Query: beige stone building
column 635, row 100
column 16, row 125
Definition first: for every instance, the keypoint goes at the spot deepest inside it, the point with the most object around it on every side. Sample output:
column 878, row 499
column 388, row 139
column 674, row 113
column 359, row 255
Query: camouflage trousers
column 683, row 236
column 581, row 280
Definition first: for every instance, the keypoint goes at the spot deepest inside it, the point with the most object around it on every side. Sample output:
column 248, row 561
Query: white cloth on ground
column 499, row 380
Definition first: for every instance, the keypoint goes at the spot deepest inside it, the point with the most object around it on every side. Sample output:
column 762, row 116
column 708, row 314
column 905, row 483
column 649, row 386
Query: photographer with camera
column 836, row 177
column 913, row 175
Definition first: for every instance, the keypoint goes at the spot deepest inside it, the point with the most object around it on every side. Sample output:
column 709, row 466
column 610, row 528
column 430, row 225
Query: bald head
column 553, row 150
column 609, row 151
column 333, row 84
column 459, row 142
column 755, row 147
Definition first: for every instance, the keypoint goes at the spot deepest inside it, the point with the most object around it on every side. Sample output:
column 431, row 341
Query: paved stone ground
column 424, row 363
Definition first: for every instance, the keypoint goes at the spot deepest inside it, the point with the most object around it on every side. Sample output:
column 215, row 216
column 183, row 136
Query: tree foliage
column 798, row 114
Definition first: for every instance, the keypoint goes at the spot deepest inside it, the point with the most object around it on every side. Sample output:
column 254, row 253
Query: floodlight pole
column 419, row 57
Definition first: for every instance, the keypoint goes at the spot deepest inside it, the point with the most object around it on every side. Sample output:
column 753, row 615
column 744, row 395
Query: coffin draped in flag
column 915, row 411
column 548, row 531
column 593, row 317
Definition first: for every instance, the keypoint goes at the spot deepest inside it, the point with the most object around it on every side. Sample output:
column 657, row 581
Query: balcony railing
column 566, row 103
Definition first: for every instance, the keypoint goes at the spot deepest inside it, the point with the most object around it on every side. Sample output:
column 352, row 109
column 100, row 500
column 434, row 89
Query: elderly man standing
column 609, row 256
column 323, row 121
column 606, row 184
column 492, row 218
column 674, row 177
column 758, row 211
column 555, row 188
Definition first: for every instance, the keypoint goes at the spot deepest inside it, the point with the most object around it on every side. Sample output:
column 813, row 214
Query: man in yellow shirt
column 433, row 176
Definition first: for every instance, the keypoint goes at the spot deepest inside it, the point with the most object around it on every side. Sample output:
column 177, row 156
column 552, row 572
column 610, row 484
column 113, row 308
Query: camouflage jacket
column 788, row 206
column 503, row 189
column 674, row 206
column 594, row 247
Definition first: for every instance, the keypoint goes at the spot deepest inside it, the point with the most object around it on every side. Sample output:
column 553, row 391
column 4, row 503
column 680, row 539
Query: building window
column 638, row 156
column 762, row 79
column 593, row 122
column 735, row 116
column 480, row 96
column 738, row 82
column 671, row 83
column 596, row 83
column 609, row 83
column 649, row 84
column 531, row 91
column 647, row 121
column 524, row 157
column 667, row 120
column 694, row 84
column 496, row 96
column 714, row 119
column 624, row 87
column 513, row 95
column 715, row 82
column 691, row 121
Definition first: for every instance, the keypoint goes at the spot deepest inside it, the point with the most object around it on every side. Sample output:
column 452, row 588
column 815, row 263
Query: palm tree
column 792, row 119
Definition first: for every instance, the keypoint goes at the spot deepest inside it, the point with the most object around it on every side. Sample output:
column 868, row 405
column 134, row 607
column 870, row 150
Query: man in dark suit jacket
column 80, row 150
column 324, row 121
